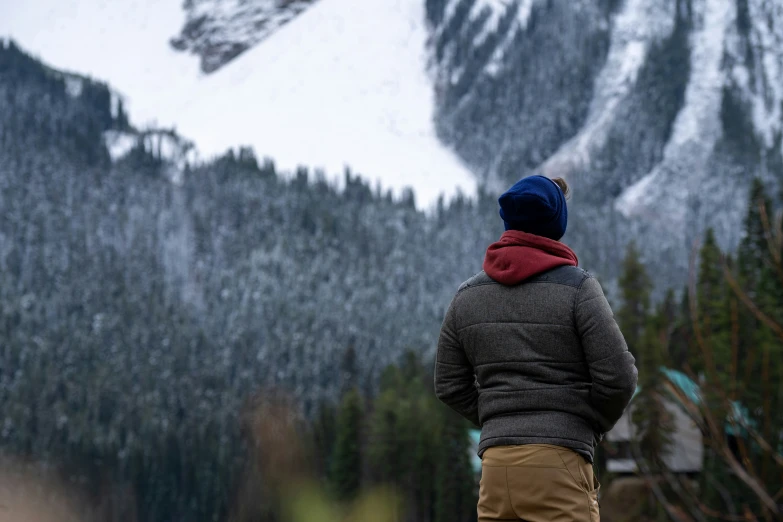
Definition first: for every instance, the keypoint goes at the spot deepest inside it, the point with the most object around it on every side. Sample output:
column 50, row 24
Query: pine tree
column 121, row 120
column 348, row 369
column 712, row 294
column 647, row 336
column 650, row 416
column 386, row 451
column 712, row 356
column 635, row 288
column 323, row 437
column 424, row 455
column 666, row 315
column 681, row 340
column 755, row 277
column 753, row 253
column 761, row 349
column 346, row 468
column 402, row 443
column 454, row 493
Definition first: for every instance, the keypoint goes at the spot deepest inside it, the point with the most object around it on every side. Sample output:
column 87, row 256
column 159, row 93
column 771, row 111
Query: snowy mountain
column 659, row 112
column 344, row 83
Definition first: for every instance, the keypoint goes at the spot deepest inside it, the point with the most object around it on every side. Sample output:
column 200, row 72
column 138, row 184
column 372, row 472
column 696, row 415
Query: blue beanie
column 535, row 205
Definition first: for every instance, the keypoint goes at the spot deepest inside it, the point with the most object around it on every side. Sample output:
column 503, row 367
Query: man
column 530, row 352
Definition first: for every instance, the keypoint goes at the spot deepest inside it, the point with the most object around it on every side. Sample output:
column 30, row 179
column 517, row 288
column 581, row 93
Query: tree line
column 726, row 333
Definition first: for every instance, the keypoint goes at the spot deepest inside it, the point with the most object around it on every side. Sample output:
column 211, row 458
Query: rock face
column 220, row 30
column 659, row 112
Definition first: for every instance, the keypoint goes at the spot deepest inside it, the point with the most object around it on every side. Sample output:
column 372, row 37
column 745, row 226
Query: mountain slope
column 344, row 83
column 659, row 112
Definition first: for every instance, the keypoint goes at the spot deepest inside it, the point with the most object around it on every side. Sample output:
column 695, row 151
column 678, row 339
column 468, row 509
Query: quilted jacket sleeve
column 455, row 381
column 611, row 365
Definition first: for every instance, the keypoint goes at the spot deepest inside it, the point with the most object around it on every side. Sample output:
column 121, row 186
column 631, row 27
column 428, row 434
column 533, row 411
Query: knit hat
column 535, row 205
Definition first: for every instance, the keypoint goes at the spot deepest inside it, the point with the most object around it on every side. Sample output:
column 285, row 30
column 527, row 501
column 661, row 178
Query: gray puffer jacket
column 541, row 362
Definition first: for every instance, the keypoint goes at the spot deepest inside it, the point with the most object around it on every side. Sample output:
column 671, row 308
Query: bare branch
column 647, row 475
column 716, row 437
column 747, row 301
column 773, row 240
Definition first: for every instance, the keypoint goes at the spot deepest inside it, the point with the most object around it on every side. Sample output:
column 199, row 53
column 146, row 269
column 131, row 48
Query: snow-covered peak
column 342, row 84
column 219, row 30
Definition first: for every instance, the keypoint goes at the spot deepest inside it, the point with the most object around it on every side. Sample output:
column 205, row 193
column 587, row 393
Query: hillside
column 658, row 112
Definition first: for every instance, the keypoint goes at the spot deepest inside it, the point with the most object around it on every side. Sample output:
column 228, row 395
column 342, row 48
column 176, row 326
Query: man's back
column 533, row 371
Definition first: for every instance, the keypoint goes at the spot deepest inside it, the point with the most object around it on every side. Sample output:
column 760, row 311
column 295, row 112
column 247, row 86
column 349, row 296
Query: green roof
column 736, row 419
column 684, row 383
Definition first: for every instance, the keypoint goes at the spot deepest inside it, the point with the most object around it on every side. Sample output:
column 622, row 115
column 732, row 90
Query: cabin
column 686, row 452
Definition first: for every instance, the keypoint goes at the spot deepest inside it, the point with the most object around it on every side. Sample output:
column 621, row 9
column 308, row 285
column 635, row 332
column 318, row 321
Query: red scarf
column 519, row 256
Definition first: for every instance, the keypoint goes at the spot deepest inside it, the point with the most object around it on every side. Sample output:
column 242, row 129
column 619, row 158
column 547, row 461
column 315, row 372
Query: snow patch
column 115, row 101
column 639, row 25
column 344, row 83
column 632, row 196
column 494, row 10
column 493, row 68
column 456, row 75
column 523, row 12
column 697, row 127
column 451, row 8
column 119, row 143
column 635, row 54
column 700, row 114
column 73, row 85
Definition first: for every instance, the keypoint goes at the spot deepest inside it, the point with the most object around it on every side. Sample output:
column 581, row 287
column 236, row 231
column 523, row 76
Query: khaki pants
column 537, row 483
